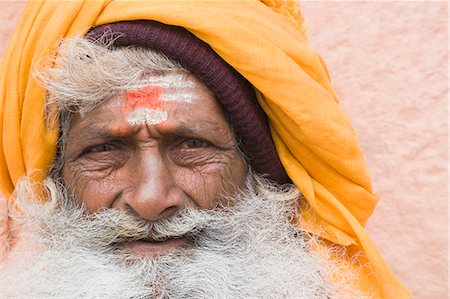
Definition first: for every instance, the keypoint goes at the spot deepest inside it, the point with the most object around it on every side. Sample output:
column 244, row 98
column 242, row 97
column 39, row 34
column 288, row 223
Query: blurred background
column 388, row 62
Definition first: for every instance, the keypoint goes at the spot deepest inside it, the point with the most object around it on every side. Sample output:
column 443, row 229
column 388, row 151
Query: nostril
column 169, row 211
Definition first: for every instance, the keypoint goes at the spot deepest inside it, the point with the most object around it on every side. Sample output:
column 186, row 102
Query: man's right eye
column 193, row 144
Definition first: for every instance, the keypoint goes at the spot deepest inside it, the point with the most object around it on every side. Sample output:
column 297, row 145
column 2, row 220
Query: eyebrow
column 93, row 134
column 181, row 129
column 194, row 129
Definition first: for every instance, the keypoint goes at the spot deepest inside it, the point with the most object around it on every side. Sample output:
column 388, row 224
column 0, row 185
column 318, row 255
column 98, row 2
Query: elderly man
column 186, row 150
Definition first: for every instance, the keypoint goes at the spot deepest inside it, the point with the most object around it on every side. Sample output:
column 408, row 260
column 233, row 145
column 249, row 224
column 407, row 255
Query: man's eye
column 105, row 147
column 194, row 143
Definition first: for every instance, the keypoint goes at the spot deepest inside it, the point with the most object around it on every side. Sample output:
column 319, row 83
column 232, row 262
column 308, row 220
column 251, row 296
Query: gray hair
column 87, row 72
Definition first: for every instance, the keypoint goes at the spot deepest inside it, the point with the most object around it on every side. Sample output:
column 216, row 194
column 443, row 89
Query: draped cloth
column 263, row 40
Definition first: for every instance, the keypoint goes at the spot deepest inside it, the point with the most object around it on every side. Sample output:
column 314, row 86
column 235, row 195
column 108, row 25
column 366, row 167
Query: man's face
column 161, row 147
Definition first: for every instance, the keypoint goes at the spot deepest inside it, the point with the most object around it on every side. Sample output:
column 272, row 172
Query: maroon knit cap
column 234, row 92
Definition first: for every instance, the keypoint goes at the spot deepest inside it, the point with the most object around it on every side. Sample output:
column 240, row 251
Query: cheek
column 94, row 194
column 205, row 185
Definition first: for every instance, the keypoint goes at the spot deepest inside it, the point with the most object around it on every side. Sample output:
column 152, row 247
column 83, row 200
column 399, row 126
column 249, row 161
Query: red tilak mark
column 148, row 97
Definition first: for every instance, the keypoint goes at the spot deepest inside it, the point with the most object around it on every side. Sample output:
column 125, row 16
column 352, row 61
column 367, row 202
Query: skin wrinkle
column 81, row 182
column 93, row 133
column 223, row 192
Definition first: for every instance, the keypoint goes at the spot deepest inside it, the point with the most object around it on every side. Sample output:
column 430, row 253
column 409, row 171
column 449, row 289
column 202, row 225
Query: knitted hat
column 234, row 92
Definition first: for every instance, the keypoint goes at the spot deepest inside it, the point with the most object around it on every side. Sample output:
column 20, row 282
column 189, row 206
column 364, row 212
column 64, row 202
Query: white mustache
column 115, row 226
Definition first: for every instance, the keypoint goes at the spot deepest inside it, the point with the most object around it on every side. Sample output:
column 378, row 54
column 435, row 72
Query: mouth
column 150, row 247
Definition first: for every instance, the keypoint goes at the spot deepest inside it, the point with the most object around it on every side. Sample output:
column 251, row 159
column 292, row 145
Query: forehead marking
column 148, row 116
column 143, row 106
column 144, row 103
column 148, row 96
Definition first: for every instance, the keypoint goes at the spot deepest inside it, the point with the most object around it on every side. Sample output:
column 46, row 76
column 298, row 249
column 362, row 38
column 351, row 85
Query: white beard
column 250, row 250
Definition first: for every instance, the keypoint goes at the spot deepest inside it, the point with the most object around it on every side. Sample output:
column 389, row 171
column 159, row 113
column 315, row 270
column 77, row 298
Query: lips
column 150, row 247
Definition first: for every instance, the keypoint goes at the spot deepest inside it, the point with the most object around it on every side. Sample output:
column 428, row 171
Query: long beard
column 249, row 250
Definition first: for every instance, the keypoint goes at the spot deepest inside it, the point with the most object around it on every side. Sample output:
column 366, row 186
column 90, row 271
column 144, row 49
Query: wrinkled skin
column 154, row 170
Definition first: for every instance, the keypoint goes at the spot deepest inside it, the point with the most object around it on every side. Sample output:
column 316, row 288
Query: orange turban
column 265, row 41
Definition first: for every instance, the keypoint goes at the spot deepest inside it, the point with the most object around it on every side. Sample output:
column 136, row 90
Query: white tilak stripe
column 169, row 81
column 147, row 116
column 179, row 97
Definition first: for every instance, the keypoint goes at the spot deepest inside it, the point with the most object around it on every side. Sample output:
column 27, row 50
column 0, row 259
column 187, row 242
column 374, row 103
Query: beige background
column 389, row 64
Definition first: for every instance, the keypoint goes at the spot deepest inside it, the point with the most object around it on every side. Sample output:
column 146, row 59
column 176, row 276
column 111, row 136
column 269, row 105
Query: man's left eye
column 194, row 143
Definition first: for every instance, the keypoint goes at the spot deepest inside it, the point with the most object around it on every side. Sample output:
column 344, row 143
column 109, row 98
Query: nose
column 153, row 194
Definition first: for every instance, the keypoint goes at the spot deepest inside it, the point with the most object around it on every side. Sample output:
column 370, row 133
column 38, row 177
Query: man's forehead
column 177, row 103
